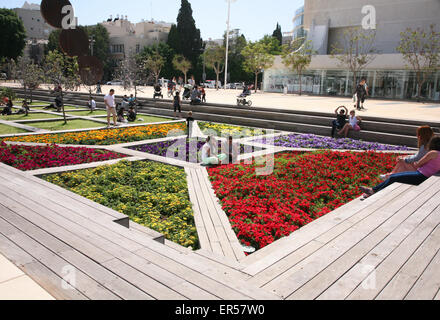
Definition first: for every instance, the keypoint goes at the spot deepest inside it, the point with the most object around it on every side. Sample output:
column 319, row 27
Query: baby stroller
column 157, row 92
column 187, row 92
column 241, row 99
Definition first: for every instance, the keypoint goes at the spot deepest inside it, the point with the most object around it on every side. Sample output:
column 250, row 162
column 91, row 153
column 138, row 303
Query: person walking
column 203, row 92
column 177, row 105
column 110, row 105
column 361, row 93
column 92, row 104
column 98, row 88
column 189, row 124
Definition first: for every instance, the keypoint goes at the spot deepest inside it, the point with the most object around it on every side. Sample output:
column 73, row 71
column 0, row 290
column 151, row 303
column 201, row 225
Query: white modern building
column 130, row 38
column 387, row 75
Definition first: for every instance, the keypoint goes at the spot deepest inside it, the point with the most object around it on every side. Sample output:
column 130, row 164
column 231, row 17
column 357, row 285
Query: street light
column 227, row 40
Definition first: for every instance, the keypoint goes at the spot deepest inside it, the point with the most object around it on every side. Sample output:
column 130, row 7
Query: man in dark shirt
column 341, row 119
column 361, row 93
column 189, row 124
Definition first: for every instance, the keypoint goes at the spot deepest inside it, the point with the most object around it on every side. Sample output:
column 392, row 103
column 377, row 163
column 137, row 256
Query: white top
column 93, row 104
column 110, row 100
column 353, row 121
column 205, row 151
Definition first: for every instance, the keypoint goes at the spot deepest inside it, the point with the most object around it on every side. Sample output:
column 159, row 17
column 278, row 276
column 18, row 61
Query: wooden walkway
column 213, row 227
column 386, row 247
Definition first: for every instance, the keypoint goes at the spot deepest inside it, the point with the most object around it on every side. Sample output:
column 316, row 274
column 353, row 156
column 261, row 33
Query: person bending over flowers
column 208, row 156
column 428, row 166
column 406, row 164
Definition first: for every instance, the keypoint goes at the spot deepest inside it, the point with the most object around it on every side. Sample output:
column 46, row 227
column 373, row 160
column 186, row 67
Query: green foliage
column 163, row 54
column 272, row 45
column 277, row 34
column 215, row 59
column 152, row 194
column 182, row 64
column 54, row 41
column 298, row 60
column 257, row 58
column 421, row 51
column 8, row 93
column 12, row 35
column 188, row 40
column 355, row 50
column 173, row 39
column 29, row 74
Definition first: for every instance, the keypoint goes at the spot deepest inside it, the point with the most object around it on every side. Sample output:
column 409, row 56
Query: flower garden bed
column 312, row 141
column 190, row 149
column 302, row 188
column 152, row 194
column 230, row 130
column 39, row 157
column 104, row 136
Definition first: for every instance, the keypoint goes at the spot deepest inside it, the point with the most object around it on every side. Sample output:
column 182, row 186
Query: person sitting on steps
column 353, row 124
column 341, row 119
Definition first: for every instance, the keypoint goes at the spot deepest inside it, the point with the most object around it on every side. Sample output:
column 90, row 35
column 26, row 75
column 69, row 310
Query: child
column 352, row 125
column 177, row 105
column 7, row 110
column 24, row 108
column 189, row 124
column 341, row 119
column 131, row 117
column 202, row 90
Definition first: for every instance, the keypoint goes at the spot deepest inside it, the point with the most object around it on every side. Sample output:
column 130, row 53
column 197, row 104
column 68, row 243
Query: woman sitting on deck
column 428, row 166
column 406, row 164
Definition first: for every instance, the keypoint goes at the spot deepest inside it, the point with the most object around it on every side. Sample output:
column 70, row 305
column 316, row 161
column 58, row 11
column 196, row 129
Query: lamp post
column 227, row 41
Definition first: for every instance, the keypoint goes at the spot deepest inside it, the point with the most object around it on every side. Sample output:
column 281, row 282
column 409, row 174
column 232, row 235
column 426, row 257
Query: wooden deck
column 386, row 247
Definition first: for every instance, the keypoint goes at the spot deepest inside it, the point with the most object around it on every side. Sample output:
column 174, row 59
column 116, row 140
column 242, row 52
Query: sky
column 254, row 18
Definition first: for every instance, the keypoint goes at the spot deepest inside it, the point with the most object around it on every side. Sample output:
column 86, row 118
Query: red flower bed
column 302, row 188
column 36, row 157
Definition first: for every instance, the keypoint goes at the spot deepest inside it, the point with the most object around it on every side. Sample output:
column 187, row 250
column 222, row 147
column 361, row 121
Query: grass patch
column 35, row 103
column 4, row 129
column 71, row 125
column 88, row 113
column 31, row 116
column 66, row 108
column 150, row 119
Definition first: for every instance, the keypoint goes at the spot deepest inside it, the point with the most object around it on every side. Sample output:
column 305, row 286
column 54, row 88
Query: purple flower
column 312, row 141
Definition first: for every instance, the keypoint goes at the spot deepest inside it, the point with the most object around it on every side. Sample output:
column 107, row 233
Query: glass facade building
column 392, row 84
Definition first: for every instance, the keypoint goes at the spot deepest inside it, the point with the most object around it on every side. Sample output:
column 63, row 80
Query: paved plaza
column 411, row 110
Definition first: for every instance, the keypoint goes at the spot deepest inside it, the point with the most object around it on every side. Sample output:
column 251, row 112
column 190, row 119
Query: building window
column 118, row 48
column 138, row 48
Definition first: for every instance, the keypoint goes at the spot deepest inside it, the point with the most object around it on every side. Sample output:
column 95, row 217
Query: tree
column 30, row 75
column 167, row 54
column 421, row 51
column 298, row 59
column 215, row 58
column 54, row 41
column 272, row 44
column 154, row 63
column 257, row 58
column 355, row 50
column 101, row 45
column 189, row 42
column 236, row 60
column 12, row 35
column 182, row 64
column 173, row 39
column 63, row 72
column 277, row 34
column 131, row 72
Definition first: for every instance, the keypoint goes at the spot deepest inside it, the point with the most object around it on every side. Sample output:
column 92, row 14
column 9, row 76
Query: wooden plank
column 207, row 222
column 232, row 237
column 201, row 230
column 63, row 215
column 38, row 272
column 317, row 228
column 392, row 263
column 338, row 269
column 296, row 277
column 219, row 227
column 83, row 283
column 73, row 257
column 407, row 276
column 428, row 285
column 232, row 263
column 144, row 282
